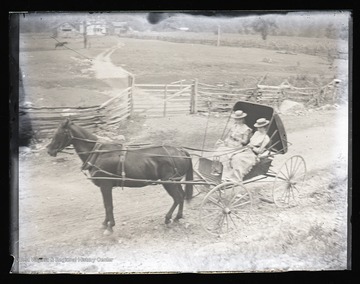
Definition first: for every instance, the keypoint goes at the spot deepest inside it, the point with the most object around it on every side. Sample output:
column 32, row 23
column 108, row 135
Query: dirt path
column 115, row 76
column 61, row 213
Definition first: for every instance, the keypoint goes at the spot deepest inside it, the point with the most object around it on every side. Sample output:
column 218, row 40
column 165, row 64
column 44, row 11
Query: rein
column 156, row 155
column 132, row 147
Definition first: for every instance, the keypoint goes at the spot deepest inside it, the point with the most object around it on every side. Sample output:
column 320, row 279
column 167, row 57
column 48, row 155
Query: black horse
column 62, row 43
column 107, row 162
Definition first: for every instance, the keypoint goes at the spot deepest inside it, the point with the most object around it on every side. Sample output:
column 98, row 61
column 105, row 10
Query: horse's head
column 61, row 139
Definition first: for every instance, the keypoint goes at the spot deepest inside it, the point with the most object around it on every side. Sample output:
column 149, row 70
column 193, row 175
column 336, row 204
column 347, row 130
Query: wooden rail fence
column 158, row 100
column 222, row 98
column 45, row 120
column 180, row 97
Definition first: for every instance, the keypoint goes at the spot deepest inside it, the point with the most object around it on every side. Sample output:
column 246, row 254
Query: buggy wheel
column 224, row 208
column 288, row 182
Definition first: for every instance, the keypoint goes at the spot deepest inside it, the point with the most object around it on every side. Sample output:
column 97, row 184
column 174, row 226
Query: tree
column 330, row 31
column 264, row 27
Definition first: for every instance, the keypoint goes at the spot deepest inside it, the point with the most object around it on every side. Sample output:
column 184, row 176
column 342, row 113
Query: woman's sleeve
column 265, row 142
column 260, row 147
column 246, row 137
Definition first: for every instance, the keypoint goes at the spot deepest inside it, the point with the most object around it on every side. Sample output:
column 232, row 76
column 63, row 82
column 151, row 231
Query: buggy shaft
column 155, row 181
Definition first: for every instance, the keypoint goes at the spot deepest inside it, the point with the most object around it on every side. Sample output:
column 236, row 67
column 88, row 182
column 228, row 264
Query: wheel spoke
column 211, row 221
column 283, row 197
column 232, row 220
column 215, row 202
column 291, row 165
column 283, row 194
column 287, row 169
column 238, row 216
column 294, row 186
column 286, row 178
column 229, row 195
column 234, row 195
column 284, row 186
column 241, row 204
column 297, row 168
column 296, row 165
column 280, row 185
column 210, row 209
column 239, row 199
column 292, row 193
column 287, row 196
column 212, row 214
column 227, row 222
column 300, row 174
column 221, row 222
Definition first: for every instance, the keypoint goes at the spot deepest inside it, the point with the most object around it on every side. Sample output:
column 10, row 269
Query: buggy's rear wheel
column 288, row 182
column 225, row 208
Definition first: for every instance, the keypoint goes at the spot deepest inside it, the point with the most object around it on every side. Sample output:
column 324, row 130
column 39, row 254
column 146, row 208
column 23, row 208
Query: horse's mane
column 83, row 132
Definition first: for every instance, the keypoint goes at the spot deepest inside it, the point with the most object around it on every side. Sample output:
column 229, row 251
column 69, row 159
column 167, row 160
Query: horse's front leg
column 106, row 191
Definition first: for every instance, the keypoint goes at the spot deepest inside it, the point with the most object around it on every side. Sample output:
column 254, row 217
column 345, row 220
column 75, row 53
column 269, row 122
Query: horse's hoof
column 168, row 221
column 103, row 227
column 107, row 232
column 177, row 219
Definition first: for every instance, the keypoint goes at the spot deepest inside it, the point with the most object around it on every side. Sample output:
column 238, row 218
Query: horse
column 60, row 44
column 104, row 161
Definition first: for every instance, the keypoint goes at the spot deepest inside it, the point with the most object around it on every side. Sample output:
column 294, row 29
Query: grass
column 155, row 61
column 162, row 62
column 61, row 77
column 306, row 45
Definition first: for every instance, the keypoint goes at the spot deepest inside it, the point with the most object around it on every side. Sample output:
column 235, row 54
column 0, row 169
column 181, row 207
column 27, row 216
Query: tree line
column 303, row 25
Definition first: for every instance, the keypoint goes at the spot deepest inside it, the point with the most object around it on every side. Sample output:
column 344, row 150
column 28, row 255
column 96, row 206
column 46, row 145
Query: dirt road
column 61, row 212
column 115, row 76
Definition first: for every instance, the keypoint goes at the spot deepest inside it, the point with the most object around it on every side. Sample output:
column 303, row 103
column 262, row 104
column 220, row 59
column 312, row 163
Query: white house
column 118, row 27
column 94, row 28
column 66, row 30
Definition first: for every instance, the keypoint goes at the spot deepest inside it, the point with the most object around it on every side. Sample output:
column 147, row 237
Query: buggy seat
column 206, row 168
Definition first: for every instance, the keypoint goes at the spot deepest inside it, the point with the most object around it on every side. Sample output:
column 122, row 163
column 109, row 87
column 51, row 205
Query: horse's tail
column 189, row 177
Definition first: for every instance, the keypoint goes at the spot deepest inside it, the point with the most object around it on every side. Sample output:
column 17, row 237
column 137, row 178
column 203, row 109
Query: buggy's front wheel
column 225, row 208
column 288, row 182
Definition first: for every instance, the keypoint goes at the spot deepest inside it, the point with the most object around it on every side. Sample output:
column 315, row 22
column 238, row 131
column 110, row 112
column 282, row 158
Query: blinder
column 66, row 141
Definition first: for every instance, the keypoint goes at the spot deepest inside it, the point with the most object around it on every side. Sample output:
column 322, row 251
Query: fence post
column 131, row 91
column 218, row 36
column 193, row 100
column 165, row 95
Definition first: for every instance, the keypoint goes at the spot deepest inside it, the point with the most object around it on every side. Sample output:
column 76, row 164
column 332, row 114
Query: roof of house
column 119, row 24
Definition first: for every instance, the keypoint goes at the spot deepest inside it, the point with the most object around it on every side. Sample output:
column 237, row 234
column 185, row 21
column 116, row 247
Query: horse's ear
column 67, row 122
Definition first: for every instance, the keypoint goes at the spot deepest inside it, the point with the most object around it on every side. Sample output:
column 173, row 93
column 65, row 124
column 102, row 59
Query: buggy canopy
column 276, row 130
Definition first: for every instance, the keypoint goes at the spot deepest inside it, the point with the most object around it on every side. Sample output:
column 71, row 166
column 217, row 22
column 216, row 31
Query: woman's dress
column 239, row 163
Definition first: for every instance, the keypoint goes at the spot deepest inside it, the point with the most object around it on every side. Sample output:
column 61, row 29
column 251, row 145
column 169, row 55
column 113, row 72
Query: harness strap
column 90, row 161
column 122, row 162
column 171, row 159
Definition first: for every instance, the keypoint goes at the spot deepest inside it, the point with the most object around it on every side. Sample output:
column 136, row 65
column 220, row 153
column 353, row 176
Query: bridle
column 66, row 141
column 68, row 138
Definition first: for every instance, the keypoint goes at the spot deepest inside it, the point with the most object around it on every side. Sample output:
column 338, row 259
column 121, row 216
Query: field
column 61, row 212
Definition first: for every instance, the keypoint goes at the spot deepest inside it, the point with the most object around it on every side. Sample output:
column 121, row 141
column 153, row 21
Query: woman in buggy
column 239, row 152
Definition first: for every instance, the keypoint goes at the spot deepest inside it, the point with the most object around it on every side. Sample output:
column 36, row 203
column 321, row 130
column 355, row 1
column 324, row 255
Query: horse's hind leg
column 181, row 197
column 173, row 192
column 106, row 191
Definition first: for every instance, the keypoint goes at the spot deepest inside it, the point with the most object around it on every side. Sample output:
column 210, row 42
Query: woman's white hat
column 261, row 122
column 238, row 114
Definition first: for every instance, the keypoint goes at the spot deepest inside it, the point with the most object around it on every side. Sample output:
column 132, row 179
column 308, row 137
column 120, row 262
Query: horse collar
column 91, row 159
